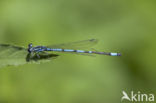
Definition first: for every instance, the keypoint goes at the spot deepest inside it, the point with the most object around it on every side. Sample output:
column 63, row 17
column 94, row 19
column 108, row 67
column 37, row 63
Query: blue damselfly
column 68, row 47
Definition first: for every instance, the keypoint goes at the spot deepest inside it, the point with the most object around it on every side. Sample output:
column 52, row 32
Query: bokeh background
column 126, row 26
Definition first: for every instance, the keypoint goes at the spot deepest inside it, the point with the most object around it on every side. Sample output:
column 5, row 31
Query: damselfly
column 70, row 48
column 17, row 55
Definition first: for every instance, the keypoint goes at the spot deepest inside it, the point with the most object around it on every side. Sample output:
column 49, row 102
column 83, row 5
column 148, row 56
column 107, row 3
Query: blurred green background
column 126, row 26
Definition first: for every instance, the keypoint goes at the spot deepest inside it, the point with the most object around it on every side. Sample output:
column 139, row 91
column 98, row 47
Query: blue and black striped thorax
column 36, row 49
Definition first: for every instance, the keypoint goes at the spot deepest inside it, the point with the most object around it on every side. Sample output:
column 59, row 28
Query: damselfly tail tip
column 119, row 54
column 115, row 54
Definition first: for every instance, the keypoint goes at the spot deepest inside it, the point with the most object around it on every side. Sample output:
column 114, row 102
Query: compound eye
column 30, row 45
column 30, row 48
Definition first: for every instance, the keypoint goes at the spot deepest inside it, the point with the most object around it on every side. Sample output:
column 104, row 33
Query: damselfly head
column 30, row 47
